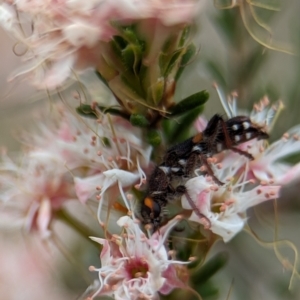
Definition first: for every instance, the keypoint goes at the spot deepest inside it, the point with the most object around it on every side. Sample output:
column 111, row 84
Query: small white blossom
column 102, row 157
column 33, row 190
column 222, row 209
column 134, row 266
column 268, row 164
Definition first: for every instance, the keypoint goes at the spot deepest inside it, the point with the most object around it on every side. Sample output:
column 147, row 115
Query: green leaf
column 114, row 111
column 157, row 90
column 174, row 62
column 112, row 54
column 170, row 55
column 133, row 84
column 132, row 56
column 184, row 36
column 153, row 137
column 120, row 43
column 139, row 120
column 131, row 36
column 181, row 130
column 187, row 56
column 170, row 45
column 167, row 125
column 106, row 142
column 128, row 57
column 293, row 158
column 189, row 103
column 86, row 110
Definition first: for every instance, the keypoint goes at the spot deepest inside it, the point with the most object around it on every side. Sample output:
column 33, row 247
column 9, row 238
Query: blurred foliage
column 244, row 58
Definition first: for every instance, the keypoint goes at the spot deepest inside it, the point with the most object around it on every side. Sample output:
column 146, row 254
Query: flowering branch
column 161, row 197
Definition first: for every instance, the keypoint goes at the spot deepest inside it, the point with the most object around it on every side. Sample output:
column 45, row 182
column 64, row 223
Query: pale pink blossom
column 134, row 266
column 33, row 189
column 105, row 156
column 268, row 164
column 222, row 209
column 98, row 145
column 72, row 158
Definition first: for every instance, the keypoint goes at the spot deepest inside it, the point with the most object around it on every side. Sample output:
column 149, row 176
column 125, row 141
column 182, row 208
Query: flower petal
column 124, row 177
column 44, row 217
column 85, row 188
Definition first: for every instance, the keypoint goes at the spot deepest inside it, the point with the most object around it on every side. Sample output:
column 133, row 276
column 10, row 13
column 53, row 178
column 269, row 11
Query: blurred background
column 230, row 56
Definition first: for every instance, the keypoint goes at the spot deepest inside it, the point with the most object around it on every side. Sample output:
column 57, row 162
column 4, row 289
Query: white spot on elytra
column 237, row 138
column 235, row 127
column 197, row 148
column 166, row 170
column 182, row 162
column 246, row 125
column 248, row 135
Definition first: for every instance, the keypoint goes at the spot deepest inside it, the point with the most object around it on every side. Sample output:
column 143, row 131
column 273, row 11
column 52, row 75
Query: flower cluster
column 222, row 209
column 33, row 188
column 69, row 35
column 134, row 266
column 71, row 158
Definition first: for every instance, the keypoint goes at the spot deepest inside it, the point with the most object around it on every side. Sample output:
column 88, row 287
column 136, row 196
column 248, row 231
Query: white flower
column 247, row 182
column 222, row 209
column 268, row 164
column 69, row 158
column 134, row 266
column 32, row 191
column 104, row 156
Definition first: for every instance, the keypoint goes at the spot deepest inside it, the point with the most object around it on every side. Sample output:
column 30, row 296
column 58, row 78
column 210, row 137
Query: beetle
column 167, row 180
